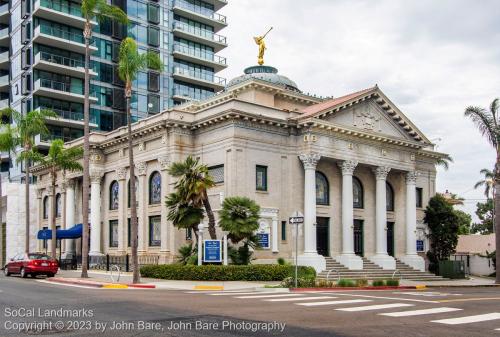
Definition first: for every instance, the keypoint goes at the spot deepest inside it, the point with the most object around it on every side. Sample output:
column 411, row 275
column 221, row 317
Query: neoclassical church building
column 357, row 168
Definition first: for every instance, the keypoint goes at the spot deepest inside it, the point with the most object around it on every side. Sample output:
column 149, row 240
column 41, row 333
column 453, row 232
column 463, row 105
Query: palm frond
column 105, row 11
column 494, row 110
column 484, row 122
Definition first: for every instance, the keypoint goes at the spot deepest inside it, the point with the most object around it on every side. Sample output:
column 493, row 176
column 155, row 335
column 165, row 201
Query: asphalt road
column 99, row 312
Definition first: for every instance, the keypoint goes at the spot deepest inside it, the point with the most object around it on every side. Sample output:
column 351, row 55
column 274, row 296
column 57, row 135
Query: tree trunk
column 86, row 152
column 210, row 215
column 133, row 197
column 496, row 218
column 2, row 261
column 53, row 240
column 27, row 204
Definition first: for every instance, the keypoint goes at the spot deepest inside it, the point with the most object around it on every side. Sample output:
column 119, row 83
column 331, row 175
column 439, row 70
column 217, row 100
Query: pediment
column 368, row 116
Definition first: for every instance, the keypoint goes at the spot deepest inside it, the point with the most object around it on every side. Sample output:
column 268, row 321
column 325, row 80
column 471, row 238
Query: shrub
column 281, row 261
column 362, row 282
column 258, row 272
column 392, row 283
column 324, row 284
column 302, row 282
column 346, row 283
column 378, row 283
column 188, row 254
column 241, row 255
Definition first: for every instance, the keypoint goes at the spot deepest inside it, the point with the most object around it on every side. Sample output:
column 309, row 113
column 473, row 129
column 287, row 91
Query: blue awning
column 74, row 232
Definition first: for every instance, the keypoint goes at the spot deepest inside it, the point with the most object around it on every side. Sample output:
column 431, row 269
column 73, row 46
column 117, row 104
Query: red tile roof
column 313, row 109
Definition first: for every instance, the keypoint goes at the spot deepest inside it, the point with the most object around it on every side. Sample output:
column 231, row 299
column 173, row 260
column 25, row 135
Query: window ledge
column 261, row 192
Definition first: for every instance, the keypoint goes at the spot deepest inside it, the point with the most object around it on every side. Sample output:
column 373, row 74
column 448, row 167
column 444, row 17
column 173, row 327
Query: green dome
column 265, row 73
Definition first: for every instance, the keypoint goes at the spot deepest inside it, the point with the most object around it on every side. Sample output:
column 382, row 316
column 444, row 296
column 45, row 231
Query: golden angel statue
column 262, row 47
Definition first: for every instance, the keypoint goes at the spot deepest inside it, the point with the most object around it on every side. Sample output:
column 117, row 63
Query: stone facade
column 260, row 126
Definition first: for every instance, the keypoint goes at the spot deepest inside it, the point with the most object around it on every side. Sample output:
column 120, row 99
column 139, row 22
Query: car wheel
column 6, row 271
column 50, row 275
column 23, row 273
column 33, row 275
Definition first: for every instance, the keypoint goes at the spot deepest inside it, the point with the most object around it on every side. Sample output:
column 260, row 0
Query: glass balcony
column 4, row 103
column 62, row 34
column 187, row 94
column 4, row 57
column 199, row 54
column 208, row 37
column 202, row 78
column 61, row 60
column 4, row 32
column 64, row 12
column 4, row 9
column 72, row 115
column 4, row 82
column 72, row 92
column 201, row 14
column 67, row 8
column 60, row 64
column 63, row 39
column 60, row 86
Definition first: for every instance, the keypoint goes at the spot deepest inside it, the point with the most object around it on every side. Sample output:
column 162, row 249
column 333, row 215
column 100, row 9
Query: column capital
column 96, row 175
column 411, row 177
column 70, row 183
column 310, row 160
column 39, row 192
column 50, row 190
column 164, row 162
column 348, row 166
column 381, row 172
column 141, row 168
column 121, row 173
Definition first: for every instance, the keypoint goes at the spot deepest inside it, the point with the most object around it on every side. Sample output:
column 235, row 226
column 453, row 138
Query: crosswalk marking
column 313, row 304
column 420, row 312
column 376, row 307
column 301, row 299
column 266, row 296
column 387, row 298
column 469, row 319
column 232, row 294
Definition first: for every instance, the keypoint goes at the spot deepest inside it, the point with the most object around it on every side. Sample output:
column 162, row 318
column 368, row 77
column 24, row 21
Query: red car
column 31, row 264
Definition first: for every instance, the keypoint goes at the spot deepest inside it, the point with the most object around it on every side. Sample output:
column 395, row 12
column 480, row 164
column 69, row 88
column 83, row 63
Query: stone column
column 381, row 257
column 310, row 256
column 274, row 235
column 39, row 193
column 50, row 213
column 412, row 258
column 164, row 163
column 121, row 174
column 62, row 188
column 95, row 212
column 70, row 214
column 347, row 257
column 142, row 214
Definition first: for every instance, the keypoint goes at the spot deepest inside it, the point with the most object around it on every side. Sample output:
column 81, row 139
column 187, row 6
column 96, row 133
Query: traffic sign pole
column 296, row 219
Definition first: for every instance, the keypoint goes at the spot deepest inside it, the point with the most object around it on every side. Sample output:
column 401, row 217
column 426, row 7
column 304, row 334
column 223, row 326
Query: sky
column 431, row 58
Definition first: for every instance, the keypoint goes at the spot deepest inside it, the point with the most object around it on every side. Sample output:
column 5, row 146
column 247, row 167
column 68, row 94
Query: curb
column 463, row 286
column 203, row 287
column 357, row 288
column 101, row 285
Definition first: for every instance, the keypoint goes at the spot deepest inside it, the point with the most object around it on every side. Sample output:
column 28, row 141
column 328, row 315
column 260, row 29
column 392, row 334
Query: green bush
column 289, row 282
column 392, row 283
column 362, row 282
column 281, row 261
column 346, row 283
column 378, row 283
column 257, row 272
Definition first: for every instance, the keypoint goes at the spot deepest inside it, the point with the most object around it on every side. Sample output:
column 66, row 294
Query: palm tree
column 240, row 217
column 19, row 137
column 487, row 182
column 129, row 65
column 445, row 161
column 101, row 11
column 488, row 123
column 192, row 186
column 58, row 159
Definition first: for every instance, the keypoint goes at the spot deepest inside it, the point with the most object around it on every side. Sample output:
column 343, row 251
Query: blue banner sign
column 263, row 240
column 420, row 245
column 212, row 251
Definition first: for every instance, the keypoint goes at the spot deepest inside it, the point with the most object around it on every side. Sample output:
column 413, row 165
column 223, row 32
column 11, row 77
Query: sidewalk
column 474, row 281
column 102, row 279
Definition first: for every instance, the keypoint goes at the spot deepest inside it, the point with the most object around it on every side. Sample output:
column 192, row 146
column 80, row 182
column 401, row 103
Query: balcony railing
column 62, row 34
column 4, row 57
column 50, row 137
column 200, row 75
column 206, row 34
column 71, row 115
column 4, row 32
column 199, row 53
column 4, row 103
column 65, row 61
column 67, row 8
column 60, row 86
column 200, row 10
column 4, row 8
column 4, row 80
column 190, row 94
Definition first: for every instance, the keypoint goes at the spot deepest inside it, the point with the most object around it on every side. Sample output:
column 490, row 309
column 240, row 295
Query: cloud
column 432, row 58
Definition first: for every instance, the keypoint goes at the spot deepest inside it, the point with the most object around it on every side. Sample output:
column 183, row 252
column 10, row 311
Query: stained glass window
column 217, row 173
column 322, row 189
column 113, row 233
column 113, row 195
column 357, row 193
column 155, row 230
column 46, row 207
column 155, row 188
column 261, row 178
column 389, row 197
column 58, row 205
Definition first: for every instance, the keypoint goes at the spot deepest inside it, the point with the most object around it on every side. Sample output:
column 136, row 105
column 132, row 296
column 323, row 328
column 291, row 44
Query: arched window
column 136, row 189
column 322, row 189
column 155, row 188
column 46, row 207
column 113, row 195
column 389, row 197
column 58, row 205
column 357, row 193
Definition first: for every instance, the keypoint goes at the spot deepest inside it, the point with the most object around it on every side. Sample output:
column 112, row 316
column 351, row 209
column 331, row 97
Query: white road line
column 313, row 304
column 227, row 294
column 205, row 292
column 469, row 319
column 301, row 299
column 420, row 312
column 69, row 285
column 387, row 298
column 376, row 307
column 267, row 296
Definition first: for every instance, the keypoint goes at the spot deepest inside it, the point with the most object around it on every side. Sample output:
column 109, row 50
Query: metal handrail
column 115, row 266
column 328, row 274
column 400, row 274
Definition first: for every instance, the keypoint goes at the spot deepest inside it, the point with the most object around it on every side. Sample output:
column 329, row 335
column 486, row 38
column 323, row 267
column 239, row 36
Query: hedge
column 257, row 272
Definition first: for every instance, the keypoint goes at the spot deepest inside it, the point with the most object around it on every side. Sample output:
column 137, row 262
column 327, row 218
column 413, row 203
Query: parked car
column 31, row 264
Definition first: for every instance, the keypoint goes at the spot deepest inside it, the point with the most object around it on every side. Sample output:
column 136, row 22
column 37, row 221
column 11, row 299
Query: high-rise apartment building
column 42, row 59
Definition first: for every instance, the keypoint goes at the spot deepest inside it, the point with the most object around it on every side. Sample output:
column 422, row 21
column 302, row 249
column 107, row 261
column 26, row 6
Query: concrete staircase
column 372, row 271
